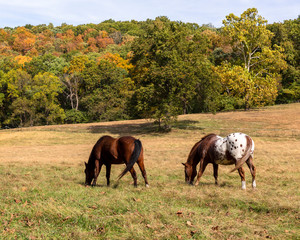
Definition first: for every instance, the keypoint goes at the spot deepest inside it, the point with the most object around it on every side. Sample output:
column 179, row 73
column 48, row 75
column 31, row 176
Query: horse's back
column 125, row 145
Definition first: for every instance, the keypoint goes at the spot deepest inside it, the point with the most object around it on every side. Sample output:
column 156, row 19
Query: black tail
column 134, row 157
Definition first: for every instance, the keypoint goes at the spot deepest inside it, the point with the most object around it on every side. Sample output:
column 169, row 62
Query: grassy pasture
column 42, row 195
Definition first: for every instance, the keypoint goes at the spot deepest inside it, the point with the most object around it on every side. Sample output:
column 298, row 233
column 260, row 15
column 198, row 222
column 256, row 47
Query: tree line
column 145, row 69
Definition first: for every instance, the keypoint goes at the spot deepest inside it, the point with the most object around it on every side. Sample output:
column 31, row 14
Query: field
column 42, row 192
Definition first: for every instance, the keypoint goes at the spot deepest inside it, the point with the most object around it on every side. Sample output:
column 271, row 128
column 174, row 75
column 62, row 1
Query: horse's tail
column 134, row 157
column 246, row 155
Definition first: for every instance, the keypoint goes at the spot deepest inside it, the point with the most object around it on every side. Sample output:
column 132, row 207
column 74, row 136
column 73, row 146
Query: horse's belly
column 224, row 161
column 116, row 161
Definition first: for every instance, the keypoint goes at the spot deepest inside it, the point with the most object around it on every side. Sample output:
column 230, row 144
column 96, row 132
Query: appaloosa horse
column 109, row 150
column 236, row 148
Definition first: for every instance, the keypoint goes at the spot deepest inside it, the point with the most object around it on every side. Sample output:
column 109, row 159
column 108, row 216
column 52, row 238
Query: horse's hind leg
column 108, row 168
column 133, row 174
column 252, row 170
column 216, row 167
column 143, row 171
column 203, row 165
column 242, row 174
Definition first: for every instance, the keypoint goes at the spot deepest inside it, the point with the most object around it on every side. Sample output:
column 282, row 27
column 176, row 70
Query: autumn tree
column 251, row 40
column 24, row 40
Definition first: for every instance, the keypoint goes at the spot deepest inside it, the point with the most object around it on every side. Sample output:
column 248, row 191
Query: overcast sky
column 15, row 13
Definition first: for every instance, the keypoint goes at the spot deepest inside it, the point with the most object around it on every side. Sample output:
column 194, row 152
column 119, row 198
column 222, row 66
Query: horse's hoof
column 147, row 186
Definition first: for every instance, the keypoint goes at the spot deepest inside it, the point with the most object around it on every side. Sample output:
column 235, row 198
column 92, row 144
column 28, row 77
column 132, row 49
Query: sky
column 14, row 13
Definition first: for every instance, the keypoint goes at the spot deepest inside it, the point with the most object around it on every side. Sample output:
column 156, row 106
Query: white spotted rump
column 231, row 148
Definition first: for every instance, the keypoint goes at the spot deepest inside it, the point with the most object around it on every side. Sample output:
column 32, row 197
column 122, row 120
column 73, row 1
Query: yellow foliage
column 118, row 60
column 22, row 59
column 252, row 89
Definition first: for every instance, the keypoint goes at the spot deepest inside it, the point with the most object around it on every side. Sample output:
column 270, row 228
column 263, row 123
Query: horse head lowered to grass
column 236, row 148
column 108, row 151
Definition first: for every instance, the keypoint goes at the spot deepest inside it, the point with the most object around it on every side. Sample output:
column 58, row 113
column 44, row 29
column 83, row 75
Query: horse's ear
column 85, row 163
column 183, row 164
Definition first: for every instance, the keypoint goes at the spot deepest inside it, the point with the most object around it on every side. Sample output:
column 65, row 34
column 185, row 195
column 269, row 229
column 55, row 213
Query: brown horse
column 236, row 148
column 108, row 151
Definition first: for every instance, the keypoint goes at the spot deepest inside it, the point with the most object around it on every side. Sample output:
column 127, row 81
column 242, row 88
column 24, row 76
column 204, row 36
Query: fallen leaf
column 216, row 228
column 66, row 218
column 137, row 200
column 148, row 226
column 179, row 213
column 189, row 223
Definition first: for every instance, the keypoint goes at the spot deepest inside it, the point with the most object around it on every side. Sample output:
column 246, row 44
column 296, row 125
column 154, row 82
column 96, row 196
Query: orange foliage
column 69, row 41
column 45, row 41
column 217, row 41
column 92, row 45
column 103, row 42
column 24, row 40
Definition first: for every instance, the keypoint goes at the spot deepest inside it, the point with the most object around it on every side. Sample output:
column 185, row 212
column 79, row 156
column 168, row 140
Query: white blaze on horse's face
column 230, row 148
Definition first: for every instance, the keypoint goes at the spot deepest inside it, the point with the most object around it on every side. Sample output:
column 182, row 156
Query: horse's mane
column 195, row 148
column 92, row 158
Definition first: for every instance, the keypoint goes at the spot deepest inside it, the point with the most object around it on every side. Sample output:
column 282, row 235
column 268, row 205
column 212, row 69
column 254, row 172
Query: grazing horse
column 108, row 151
column 236, row 148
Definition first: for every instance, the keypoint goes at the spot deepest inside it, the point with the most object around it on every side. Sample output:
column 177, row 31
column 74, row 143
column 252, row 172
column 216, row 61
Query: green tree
column 168, row 61
column 107, row 91
column 287, row 36
column 72, row 79
column 16, row 88
column 28, row 101
column 46, row 63
column 45, row 89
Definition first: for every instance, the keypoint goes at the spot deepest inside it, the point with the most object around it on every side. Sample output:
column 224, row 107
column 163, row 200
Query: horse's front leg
column 252, row 170
column 202, row 167
column 108, row 169
column 97, row 170
column 242, row 175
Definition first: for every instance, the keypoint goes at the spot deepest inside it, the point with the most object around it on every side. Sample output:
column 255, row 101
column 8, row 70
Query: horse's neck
column 91, row 161
column 192, row 159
